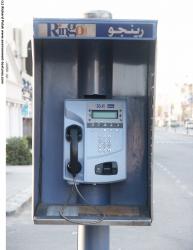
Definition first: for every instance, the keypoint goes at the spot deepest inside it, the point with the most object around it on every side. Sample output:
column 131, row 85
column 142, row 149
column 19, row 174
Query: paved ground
column 18, row 187
column 172, row 228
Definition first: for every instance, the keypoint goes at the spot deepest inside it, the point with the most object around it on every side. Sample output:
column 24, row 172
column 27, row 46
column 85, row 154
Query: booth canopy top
column 107, row 29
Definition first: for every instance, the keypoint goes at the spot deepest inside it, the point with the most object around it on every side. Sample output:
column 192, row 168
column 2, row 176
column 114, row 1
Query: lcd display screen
column 103, row 114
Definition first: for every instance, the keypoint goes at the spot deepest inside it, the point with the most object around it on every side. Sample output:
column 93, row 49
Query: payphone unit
column 95, row 140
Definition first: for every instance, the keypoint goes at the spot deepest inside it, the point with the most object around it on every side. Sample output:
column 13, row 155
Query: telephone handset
column 74, row 135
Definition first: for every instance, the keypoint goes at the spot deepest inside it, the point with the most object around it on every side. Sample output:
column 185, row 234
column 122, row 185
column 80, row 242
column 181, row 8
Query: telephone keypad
column 104, row 143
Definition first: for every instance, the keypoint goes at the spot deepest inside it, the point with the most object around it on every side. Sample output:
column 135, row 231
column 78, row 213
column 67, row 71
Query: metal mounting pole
column 94, row 237
column 95, row 79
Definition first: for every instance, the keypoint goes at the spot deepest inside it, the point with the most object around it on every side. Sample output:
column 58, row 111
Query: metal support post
column 94, row 237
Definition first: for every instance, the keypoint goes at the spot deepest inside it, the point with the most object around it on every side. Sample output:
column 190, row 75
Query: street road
column 172, row 227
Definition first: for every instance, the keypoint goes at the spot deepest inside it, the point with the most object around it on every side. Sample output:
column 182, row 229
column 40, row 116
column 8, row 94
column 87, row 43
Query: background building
column 187, row 101
column 18, row 82
column 175, row 105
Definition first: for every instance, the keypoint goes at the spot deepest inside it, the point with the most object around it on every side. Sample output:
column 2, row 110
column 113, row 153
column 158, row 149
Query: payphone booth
column 93, row 121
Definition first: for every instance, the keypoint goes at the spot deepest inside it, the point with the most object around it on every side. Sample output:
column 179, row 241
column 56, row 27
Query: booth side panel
column 130, row 79
column 133, row 191
column 130, row 63
column 60, row 82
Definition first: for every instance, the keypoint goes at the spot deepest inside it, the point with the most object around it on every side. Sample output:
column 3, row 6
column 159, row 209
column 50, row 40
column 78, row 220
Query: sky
column 175, row 30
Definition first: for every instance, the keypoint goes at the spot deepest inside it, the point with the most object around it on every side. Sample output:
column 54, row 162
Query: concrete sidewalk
column 18, row 187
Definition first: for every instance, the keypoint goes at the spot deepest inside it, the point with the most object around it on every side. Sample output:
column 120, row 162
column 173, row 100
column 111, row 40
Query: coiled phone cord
column 75, row 188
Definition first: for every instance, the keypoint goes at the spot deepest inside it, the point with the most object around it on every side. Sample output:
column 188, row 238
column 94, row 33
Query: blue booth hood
column 107, row 29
